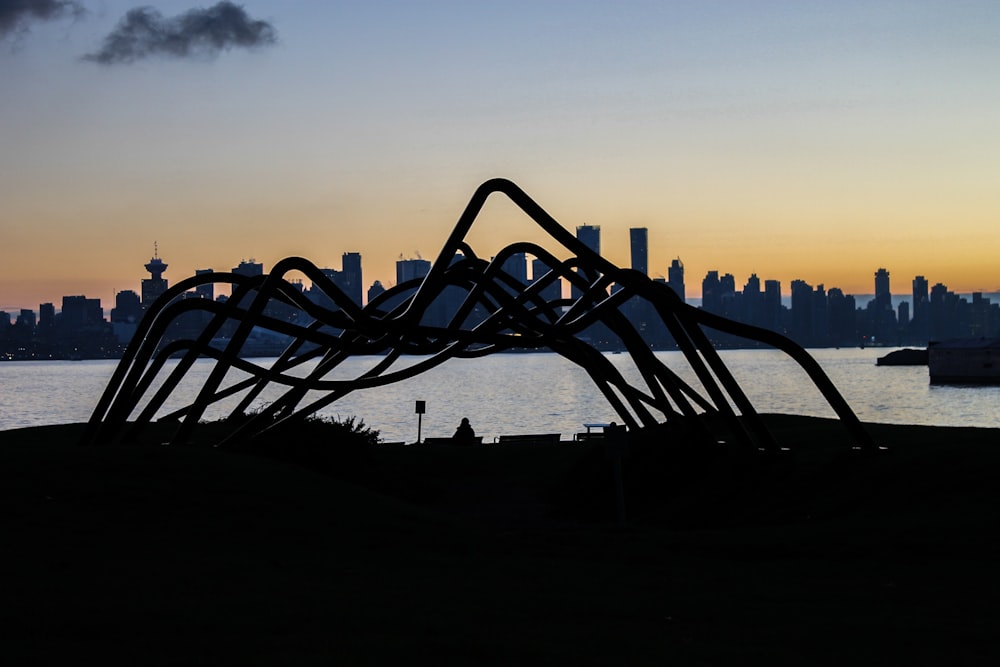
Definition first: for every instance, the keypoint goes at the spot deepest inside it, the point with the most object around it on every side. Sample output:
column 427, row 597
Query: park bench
column 449, row 441
column 529, row 439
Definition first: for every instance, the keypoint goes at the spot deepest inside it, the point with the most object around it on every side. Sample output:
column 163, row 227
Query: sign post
column 420, row 409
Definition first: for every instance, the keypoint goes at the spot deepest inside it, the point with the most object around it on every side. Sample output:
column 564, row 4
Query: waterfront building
column 802, row 311
column 351, row 278
column 639, row 246
column 249, row 268
column 206, row 291
column 125, row 315
column 590, row 236
column 411, row 269
column 903, row 314
column 47, row 317
column 347, row 280
column 883, row 295
column 819, row 319
column 516, row 266
column 920, row 322
column 771, row 318
column 156, row 284
column 675, row 277
column 752, row 309
column 552, row 291
column 843, row 327
column 884, row 328
column 727, row 294
column 375, row 290
column 711, row 292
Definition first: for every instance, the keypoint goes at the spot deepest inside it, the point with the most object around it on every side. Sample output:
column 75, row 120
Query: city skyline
column 408, row 268
column 813, row 141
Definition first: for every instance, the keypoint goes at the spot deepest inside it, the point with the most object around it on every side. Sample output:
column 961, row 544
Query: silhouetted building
column 711, row 293
column 883, row 316
column 883, row 295
column 347, row 280
column 79, row 312
column 771, row 318
column 352, row 280
column 590, row 236
column 26, row 318
column 984, row 317
column 375, row 290
column 819, row 324
column 753, row 302
column 126, row 314
column 47, row 318
column 516, row 266
column 802, row 311
column 842, row 318
column 675, row 277
column 639, row 245
column 410, row 269
column 727, row 294
column 156, row 284
column 128, row 307
column 206, row 291
column 920, row 323
column 249, row 268
column 553, row 290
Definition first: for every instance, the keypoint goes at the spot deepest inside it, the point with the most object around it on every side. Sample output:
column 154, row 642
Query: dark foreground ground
column 152, row 555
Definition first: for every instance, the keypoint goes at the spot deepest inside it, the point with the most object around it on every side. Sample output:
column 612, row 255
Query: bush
column 315, row 441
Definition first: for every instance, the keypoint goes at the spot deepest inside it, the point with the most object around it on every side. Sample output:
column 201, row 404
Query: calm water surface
column 535, row 393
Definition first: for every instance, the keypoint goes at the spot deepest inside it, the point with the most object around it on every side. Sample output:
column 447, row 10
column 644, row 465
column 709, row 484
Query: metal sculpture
column 493, row 312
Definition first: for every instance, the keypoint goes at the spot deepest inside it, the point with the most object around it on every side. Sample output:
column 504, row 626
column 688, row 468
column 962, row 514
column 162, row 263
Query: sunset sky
column 802, row 139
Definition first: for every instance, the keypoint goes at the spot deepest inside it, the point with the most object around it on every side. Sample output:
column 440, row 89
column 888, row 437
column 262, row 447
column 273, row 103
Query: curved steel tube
column 494, row 312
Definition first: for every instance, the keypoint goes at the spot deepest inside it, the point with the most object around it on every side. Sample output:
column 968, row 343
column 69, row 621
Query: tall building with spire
column 156, row 284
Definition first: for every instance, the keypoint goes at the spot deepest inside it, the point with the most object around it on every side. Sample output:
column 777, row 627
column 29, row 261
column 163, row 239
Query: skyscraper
column 552, row 291
column 883, row 296
column 639, row 244
column 207, row 290
column 802, row 311
column 351, row 278
column 772, row 305
column 590, row 236
column 711, row 292
column 675, row 277
column 409, row 269
column 375, row 290
column 517, row 267
column 920, row 314
column 883, row 314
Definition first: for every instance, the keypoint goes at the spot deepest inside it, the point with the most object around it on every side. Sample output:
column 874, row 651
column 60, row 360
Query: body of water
column 535, row 393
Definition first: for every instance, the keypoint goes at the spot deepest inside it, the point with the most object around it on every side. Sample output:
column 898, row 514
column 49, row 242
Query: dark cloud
column 144, row 33
column 16, row 14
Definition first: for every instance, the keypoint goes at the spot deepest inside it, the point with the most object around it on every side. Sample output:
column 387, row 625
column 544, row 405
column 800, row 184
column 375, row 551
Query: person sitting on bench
column 464, row 435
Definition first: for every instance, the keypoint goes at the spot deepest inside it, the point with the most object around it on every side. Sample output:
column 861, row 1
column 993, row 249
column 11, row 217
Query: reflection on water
column 534, row 393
